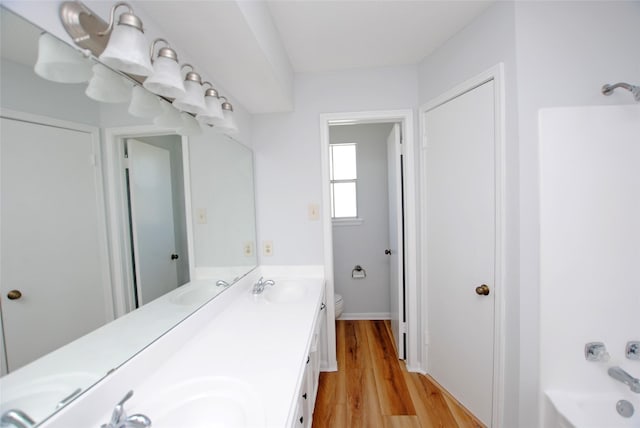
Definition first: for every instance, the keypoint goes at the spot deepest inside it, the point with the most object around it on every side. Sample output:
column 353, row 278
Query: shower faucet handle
column 632, row 351
column 596, row 351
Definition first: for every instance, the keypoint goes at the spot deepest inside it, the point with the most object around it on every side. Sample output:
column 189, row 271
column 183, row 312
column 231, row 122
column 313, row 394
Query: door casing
column 120, row 248
column 405, row 119
column 495, row 73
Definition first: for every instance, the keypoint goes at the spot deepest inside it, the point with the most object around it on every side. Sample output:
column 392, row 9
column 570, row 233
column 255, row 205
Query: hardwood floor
column 372, row 388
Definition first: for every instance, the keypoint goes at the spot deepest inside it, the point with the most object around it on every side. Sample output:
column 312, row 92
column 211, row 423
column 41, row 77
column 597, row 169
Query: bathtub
column 580, row 410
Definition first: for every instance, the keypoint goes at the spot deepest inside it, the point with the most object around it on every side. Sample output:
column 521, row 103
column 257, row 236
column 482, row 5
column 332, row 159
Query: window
column 343, row 176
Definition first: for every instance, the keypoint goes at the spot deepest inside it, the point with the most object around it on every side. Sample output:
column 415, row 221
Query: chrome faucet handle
column 118, row 415
column 136, row 421
column 596, row 351
column 16, row 418
column 632, row 351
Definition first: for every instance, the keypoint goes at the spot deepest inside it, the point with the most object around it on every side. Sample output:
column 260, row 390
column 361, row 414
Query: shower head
column 635, row 90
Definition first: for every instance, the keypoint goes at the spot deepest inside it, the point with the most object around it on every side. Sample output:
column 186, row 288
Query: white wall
column 364, row 244
column 287, row 151
column 487, row 41
column 565, row 52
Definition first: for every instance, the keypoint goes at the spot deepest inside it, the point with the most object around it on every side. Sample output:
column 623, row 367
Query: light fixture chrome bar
column 635, row 90
column 84, row 26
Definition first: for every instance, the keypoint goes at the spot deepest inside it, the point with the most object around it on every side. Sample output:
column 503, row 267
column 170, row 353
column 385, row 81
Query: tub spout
column 620, row 375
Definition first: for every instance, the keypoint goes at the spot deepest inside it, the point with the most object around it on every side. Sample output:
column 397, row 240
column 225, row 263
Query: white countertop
column 245, row 339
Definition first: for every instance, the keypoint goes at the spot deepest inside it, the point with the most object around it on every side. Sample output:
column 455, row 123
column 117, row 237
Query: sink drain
column 624, row 408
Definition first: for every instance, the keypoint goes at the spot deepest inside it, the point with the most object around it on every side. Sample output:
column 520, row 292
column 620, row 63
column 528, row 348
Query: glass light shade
column 193, row 100
column 212, row 112
column 128, row 51
column 170, row 117
column 59, row 62
column 227, row 125
column 166, row 79
column 144, row 104
column 108, row 86
column 190, row 125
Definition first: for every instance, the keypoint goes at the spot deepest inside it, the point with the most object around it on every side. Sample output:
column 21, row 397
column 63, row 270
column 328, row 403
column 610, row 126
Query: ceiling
column 340, row 35
column 253, row 48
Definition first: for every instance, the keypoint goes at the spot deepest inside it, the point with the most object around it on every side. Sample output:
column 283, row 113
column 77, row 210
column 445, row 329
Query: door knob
column 174, row 256
column 483, row 290
column 387, row 252
column 14, row 294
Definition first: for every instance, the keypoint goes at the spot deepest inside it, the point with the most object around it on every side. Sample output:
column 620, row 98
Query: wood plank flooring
column 372, row 388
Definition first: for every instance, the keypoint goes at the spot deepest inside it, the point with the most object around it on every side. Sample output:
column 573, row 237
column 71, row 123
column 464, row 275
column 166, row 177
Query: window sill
column 357, row 221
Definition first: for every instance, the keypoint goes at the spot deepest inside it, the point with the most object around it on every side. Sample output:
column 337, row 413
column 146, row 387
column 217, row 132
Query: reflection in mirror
column 86, row 240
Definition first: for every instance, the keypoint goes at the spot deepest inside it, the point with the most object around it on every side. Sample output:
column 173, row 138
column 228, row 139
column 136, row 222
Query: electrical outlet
column 248, row 249
column 201, row 215
column 314, row 212
column 267, row 248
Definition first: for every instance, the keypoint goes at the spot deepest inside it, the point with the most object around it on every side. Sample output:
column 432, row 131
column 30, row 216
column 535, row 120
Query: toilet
column 339, row 305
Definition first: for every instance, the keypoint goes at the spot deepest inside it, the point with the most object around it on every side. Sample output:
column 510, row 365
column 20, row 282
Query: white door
column 460, row 231
column 395, row 250
column 152, row 220
column 51, row 251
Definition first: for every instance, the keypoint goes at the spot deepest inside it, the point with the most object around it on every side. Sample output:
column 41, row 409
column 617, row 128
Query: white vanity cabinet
column 311, row 377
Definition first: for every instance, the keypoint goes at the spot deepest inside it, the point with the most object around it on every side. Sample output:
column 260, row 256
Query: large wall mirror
column 113, row 230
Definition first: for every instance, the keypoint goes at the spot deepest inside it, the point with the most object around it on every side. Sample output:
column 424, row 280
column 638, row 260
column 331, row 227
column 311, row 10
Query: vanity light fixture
column 228, row 124
column 213, row 103
column 166, row 79
column 170, row 117
column 190, row 126
column 127, row 49
column 59, row 62
column 144, row 104
column 193, row 99
column 107, row 86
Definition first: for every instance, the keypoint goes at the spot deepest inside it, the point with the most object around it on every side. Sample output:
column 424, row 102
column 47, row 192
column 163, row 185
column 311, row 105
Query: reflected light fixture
column 144, row 104
column 166, row 79
column 213, row 104
column 59, row 62
column 127, row 48
column 193, row 99
column 170, row 117
column 190, row 126
column 107, row 86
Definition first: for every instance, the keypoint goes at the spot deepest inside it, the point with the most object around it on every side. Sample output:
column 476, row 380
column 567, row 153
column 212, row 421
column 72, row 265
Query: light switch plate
column 201, row 214
column 314, row 212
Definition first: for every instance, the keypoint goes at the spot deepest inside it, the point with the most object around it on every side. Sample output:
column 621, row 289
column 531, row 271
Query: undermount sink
column 209, row 402
column 285, row 292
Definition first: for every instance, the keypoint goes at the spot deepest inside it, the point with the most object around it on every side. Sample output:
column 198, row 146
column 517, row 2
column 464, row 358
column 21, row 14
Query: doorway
column 365, row 163
column 155, row 201
column 404, row 119
column 148, row 174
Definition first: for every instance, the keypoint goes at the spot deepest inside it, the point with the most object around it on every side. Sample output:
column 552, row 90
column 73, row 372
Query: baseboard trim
column 366, row 316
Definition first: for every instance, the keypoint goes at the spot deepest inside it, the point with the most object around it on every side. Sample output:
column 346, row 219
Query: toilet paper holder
column 358, row 272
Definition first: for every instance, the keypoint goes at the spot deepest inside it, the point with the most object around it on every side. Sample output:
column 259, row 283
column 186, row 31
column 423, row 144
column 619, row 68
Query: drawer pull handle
column 304, row 395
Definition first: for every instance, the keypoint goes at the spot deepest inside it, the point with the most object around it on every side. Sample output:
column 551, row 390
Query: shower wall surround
column 590, row 244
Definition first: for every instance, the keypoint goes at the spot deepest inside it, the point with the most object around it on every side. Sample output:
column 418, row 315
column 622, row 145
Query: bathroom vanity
column 242, row 360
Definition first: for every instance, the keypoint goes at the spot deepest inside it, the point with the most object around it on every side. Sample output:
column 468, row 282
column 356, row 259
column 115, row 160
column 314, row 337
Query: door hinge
column 403, row 327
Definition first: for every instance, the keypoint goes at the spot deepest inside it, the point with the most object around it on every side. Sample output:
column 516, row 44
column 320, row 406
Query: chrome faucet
column 258, row 287
column 618, row 374
column 222, row 283
column 16, row 418
column 119, row 418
